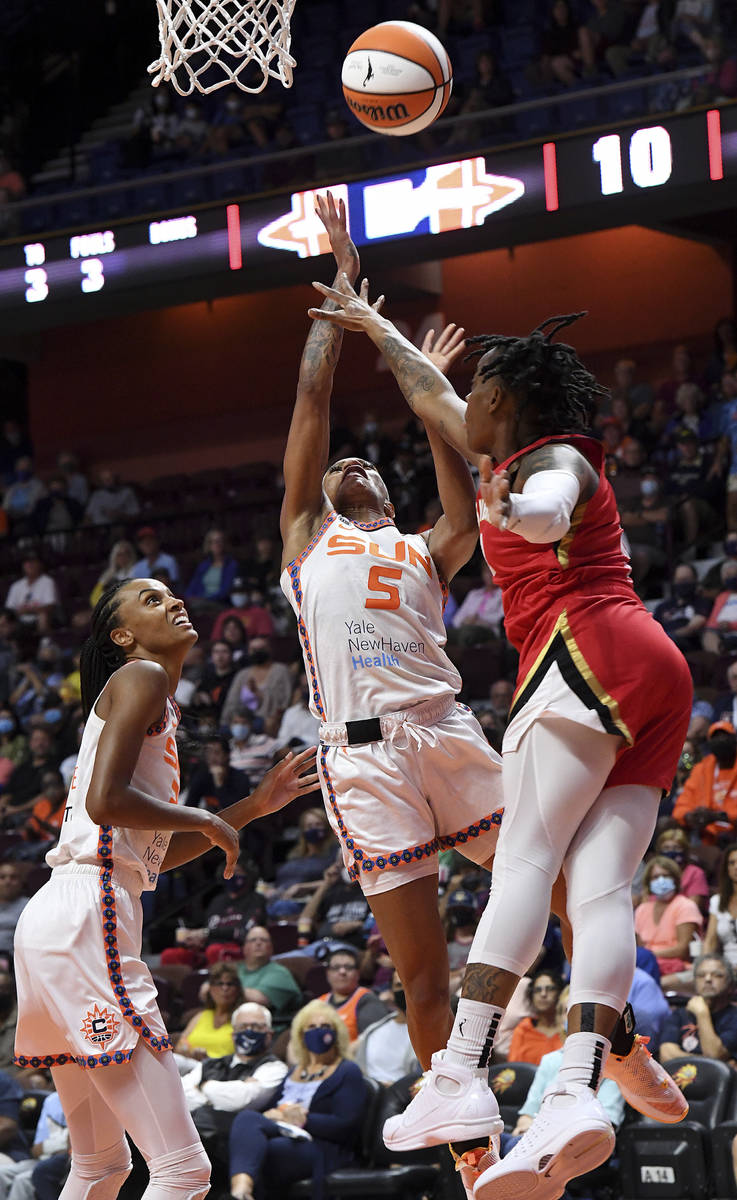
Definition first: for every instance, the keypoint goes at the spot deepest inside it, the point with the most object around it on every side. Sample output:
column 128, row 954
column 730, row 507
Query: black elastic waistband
column 363, row 731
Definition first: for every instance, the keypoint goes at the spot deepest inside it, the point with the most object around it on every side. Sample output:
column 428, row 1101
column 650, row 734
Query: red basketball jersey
column 572, row 602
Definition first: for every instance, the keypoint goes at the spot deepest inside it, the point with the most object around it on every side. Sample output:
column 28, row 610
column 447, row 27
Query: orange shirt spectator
column 540, row 1033
column 47, row 814
column 529, row 1043
column 712, row 784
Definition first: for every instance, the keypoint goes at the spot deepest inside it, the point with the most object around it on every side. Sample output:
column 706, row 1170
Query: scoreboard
column 640, row 172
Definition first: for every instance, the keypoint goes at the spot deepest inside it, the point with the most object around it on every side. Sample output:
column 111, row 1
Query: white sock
column 584, row 1056
column 472, row 1035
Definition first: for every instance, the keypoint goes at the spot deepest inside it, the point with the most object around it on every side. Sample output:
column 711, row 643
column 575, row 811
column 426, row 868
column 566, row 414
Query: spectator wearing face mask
column 315, row 850
column 255, row 617
column 674, row 844
column 666, row 921
column 250, row 752
column 268, row 681
column 711, row 788
column 684, row 615
column 720, row 634
column 57, row 513
column 248, row 1078
column 645, row 521
column 234, row 909
column 383, row 1051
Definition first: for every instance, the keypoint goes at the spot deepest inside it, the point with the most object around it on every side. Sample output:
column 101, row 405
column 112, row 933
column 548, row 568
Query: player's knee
column 103, row 1174
column 184, row 1173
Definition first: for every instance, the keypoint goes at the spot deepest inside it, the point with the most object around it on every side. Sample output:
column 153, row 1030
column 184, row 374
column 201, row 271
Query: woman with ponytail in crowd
column 86, row 1001
column 599, row 715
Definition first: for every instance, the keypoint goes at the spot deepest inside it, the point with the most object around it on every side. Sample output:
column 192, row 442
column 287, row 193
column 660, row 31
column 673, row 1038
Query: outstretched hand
column 335, row 221
column 283, row 782
column 444, row 350
column 352, row 310
column 494, row 490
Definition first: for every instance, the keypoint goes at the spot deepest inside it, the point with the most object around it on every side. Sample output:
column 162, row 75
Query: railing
column 525, row 121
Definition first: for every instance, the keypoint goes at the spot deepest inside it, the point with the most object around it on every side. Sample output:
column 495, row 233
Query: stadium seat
column 284, row 937
column 673, row 1160
column 30, row 1108
column 379, row 1171
column 510, row 1083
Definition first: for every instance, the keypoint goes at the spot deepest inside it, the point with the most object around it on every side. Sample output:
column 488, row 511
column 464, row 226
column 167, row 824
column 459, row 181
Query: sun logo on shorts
column 100, row 1025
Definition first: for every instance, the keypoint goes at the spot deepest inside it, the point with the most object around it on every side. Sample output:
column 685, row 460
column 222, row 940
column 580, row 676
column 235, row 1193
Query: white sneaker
column 569, row 1136
column 646, row 1085
column 454, row 1104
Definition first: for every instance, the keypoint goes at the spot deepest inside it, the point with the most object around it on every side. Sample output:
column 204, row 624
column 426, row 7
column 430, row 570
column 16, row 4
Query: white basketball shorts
column 84, row 995
column 395, row 803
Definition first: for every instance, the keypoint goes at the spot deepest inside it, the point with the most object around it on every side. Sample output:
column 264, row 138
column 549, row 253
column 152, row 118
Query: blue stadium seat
column 535, row 121
column 113, row 204
column 74, row 211
column 620, row 105
column 37, row 219
column 577, row 114
column 150, row 196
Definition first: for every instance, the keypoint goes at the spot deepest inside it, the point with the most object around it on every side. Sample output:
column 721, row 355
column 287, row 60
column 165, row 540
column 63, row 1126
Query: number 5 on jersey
column 388, row 596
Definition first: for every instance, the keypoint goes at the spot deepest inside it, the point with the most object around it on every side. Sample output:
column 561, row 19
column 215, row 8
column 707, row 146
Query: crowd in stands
column 502, row 50
column 276, row 985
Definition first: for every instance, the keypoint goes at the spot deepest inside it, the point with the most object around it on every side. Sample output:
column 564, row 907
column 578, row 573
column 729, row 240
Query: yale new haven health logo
column 100, row 1025
column 455, row 195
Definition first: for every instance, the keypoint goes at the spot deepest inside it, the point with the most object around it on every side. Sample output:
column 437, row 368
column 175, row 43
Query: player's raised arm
column 306, row 455
column 453, row 538
column 424, row 387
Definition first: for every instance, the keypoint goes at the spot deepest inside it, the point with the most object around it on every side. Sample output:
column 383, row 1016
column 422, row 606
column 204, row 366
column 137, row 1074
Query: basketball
column 397, row 78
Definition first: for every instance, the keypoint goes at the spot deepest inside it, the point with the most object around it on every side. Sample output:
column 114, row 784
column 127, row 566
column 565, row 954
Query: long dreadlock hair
column 100, row 657
column 546, row 376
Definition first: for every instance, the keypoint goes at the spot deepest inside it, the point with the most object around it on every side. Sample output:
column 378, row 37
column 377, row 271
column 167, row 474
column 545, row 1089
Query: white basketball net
column 209, row 44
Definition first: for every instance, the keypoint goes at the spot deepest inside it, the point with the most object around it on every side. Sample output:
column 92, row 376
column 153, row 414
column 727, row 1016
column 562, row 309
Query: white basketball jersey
column 369, row 608
column 156, row 774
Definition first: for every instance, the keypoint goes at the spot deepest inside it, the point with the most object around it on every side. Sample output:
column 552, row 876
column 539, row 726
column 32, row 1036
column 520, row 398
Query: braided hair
column 545, row 375
column 100, row 657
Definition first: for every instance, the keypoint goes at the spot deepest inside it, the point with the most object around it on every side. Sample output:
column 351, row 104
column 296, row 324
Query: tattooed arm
column 306, row 455
column 424, row 387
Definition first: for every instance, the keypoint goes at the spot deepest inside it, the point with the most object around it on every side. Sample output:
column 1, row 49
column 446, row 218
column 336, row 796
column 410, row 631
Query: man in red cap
column 711, row 788
column 153, row 559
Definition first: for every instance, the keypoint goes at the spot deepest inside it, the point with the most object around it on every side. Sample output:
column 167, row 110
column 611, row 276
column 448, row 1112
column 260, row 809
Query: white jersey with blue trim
column 369, row 606
column 142, row 851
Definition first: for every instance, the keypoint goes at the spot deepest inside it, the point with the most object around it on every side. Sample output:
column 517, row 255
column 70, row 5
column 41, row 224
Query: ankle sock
column 584, row 1056
column 473, row 1032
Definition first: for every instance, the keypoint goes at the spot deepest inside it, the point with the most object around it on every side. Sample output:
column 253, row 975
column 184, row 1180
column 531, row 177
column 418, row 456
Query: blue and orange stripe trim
column 110, row 938
column 364, row 863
